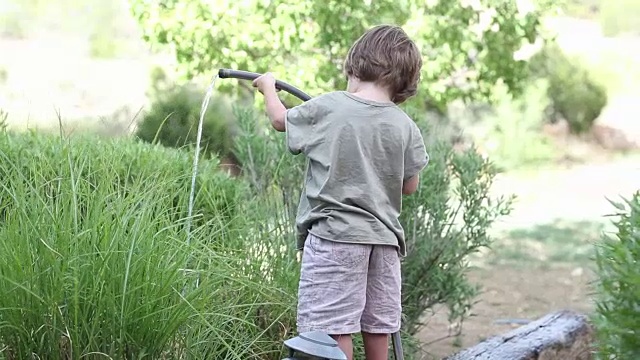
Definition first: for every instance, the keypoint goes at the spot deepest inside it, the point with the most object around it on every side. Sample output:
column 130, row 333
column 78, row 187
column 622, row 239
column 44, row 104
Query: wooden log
column 563, row 335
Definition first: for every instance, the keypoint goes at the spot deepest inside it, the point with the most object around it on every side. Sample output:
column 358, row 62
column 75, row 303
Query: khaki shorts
column 349, row 288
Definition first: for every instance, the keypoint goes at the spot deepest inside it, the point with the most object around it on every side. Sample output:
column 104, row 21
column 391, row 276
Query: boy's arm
column 410, row 185
column 275, row 109
column 416, row 158
column 298, row 122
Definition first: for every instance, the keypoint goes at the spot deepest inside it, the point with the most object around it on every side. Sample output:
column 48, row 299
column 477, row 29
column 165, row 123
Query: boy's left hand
column 265, row 82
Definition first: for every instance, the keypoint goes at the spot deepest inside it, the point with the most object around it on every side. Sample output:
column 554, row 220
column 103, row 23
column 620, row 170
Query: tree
column 467, row 45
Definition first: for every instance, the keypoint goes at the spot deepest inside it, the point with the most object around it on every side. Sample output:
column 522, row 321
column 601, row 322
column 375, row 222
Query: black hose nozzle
column 246, row 75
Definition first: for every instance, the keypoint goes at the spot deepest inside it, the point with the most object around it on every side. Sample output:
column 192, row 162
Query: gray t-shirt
column 359, row 152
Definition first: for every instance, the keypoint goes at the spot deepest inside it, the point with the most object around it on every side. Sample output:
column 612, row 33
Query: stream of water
column 196, row 158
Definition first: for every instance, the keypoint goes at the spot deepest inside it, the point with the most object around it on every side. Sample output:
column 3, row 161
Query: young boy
column 363, row 153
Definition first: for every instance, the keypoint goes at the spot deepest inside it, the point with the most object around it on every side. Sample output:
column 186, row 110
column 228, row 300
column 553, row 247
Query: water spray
column 196, row 157
column 226, row 74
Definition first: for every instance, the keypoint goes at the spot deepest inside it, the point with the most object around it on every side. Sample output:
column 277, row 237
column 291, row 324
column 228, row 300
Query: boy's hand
column 265, row 82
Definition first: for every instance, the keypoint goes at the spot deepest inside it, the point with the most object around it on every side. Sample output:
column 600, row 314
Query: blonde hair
column 386, row 56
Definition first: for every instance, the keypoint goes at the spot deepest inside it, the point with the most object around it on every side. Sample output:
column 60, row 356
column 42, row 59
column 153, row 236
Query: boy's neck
column 368, row 90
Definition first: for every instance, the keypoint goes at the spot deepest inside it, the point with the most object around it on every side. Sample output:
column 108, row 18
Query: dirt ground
column 540, row 262
column 510, row 294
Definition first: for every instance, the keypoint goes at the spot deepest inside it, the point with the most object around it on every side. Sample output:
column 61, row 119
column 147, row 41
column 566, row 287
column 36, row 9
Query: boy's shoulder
column 337, row 101
column 328, row 97
column 340, row 97
column 325, row 100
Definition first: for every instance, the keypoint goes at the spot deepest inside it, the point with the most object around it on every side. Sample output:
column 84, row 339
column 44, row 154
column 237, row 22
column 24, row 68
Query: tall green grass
column 94, row 261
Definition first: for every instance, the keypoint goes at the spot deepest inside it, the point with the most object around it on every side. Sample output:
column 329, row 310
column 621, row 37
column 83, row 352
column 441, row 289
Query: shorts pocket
column 344, row 254
column 391, row 256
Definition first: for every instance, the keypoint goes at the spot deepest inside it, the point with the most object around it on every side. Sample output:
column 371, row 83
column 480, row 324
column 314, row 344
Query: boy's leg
column 332, row 289
column 345, row 343
column 376, row 346
column 383, row 310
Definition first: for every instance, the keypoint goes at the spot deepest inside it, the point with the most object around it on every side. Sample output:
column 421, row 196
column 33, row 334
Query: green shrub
column 575, row 96
column 96, row 263
column 174, row 114
column 445, row 221
column 510, row 132
column 618, row 286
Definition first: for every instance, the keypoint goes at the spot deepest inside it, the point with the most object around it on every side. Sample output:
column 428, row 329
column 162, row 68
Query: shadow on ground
column 557, row 242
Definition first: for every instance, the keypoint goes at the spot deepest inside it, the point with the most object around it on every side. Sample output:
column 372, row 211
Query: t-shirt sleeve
column 300, row 124
column 416, row 157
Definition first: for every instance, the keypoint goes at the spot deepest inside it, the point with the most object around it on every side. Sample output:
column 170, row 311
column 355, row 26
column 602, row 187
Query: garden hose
column 280, row 85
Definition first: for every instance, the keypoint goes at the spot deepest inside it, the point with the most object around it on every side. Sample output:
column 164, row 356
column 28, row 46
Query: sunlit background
column 85, row 65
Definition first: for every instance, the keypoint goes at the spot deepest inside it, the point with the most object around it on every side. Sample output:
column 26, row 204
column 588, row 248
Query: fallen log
column 563, row 335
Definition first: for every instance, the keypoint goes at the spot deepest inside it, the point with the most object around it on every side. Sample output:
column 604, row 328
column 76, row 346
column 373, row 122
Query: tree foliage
column 467, row 46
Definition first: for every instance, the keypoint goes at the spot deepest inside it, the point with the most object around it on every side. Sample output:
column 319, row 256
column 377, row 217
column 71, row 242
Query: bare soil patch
column 510, row 295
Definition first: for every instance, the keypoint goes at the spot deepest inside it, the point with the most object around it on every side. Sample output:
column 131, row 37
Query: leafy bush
column 96, row 262
column 174, row 114
column 618, row 286
column 574, row 94
column 510, row 132
column 445, row 221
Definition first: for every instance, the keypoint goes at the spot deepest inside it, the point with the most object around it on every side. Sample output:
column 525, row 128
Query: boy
column 364, row 153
